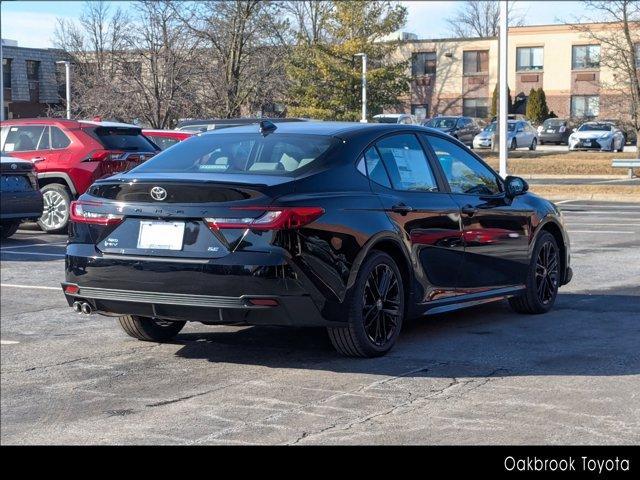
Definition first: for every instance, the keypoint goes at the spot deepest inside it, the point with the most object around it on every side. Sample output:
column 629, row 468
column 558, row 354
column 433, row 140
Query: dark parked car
column 354, row 227
column 20, row 197
column 462, row 128
column 555, row 130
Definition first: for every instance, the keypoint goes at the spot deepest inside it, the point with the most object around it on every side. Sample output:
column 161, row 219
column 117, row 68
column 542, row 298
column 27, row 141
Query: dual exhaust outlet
column 82, row 307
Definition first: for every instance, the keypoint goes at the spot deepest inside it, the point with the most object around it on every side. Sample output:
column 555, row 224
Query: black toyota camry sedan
column 354, row 227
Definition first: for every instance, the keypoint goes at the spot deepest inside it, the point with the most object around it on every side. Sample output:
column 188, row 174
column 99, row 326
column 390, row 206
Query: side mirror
column 515, row 186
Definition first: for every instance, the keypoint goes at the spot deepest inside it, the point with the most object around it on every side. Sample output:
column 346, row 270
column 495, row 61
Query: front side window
column 585, row 106
column 585, row 57
column 475, row 61
column 23, row 138
column 464, row 172
column 475, row 107
column 423, row 63
column 406, row 163
column 236, row 153
column 529, row 58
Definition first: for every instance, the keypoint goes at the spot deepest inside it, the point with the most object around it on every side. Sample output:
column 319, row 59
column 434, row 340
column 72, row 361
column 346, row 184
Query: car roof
column 176, row 132
column 335, row 129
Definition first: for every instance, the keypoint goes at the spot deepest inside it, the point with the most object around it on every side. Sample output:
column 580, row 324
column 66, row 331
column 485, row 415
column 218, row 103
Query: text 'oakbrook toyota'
column 354, row 227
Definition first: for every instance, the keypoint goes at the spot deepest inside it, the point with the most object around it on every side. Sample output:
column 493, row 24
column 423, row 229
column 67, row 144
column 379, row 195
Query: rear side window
column 23, row 138
column 275, row 154
column 407, row 163
column 127, row 139
column 163, row 142
column 59, row 139
column 372, row 166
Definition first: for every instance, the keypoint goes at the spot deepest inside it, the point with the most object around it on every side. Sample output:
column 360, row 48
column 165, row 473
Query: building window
column 585, row 56
column 475, row 61
column 475, row 107
column 6, row 73
column 585, row 106
column 423, row 63
column 33, row 79
column 529, row 58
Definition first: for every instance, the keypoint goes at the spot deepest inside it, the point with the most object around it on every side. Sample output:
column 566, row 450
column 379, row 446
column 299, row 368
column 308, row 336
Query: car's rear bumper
column 21, row 205
column 210, row 291
column 552, row 137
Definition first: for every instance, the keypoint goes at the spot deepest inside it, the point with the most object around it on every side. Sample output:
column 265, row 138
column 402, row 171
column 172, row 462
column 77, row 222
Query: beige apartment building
column 456, row 76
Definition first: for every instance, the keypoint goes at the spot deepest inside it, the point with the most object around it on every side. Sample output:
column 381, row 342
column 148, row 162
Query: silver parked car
column 603, row 136
column 520, row 134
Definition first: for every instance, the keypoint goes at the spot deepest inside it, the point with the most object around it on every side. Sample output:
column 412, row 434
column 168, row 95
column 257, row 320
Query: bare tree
column 158, row 66
column 480, row 18
column 311, row 19
column 241, row 56
column 620, row 45
column 92, row 44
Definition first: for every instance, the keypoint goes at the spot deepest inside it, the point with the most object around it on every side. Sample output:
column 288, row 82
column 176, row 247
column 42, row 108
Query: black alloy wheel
column 376, row 310
column 547, row 273
column 381, row 305
column 543, row 279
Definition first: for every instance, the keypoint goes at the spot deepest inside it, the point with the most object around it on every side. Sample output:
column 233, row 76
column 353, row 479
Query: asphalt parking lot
column 480, row 376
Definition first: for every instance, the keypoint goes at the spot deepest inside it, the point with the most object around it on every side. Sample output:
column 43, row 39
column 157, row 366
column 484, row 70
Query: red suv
column 167, row 138
column 70, row 155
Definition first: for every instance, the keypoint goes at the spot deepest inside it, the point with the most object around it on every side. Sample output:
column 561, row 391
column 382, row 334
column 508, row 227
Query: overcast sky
column 32, row 23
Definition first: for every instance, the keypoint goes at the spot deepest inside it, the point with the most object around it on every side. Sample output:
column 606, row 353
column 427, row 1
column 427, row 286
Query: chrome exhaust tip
column 77, row 307
column 86, row 308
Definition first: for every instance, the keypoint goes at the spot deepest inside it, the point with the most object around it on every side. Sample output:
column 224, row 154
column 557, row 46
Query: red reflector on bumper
column 71, row 289
column 263, row 302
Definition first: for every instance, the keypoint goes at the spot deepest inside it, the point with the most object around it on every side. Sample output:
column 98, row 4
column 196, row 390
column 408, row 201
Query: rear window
column 551, row 122
column 163, row 142
column 274, row 154
column 127, row 139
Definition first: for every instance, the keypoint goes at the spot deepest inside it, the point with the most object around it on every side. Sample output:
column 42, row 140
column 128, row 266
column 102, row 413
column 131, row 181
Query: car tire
column 371, row 331
column 8, row 228
column 56, row 208
column 514, row 145
column 534, row 144
column 543, row 278
column 150, row 329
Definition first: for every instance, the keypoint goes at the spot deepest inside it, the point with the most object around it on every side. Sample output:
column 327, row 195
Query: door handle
column 469, row 210
column 37, row 159
column 402, row 209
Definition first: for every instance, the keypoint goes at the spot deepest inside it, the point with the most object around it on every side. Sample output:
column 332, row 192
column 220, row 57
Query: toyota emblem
column 158, row 193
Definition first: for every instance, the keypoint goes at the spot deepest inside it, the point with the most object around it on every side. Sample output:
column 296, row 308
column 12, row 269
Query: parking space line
column 30, row 287
column 60, row 255
column 11, row 247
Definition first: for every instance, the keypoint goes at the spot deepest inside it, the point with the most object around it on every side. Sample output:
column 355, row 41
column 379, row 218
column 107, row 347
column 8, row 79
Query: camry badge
column 158, row 193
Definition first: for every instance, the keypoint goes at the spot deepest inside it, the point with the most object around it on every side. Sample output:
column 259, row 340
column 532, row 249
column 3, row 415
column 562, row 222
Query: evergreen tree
column 325, row 76
column 537, row 108
column 494, row 101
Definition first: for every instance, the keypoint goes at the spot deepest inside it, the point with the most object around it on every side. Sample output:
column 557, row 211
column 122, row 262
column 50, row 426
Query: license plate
column 550, row 131
column 161, row 235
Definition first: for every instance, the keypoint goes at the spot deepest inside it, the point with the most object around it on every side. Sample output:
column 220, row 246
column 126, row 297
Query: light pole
column 364, row 86
column 504, row 85
column 67, row 75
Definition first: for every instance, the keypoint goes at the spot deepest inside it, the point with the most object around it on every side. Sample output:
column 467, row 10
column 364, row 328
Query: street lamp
column 67, row 74
column 364, row 86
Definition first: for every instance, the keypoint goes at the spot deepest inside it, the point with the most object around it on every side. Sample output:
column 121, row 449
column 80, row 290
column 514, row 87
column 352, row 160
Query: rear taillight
column 274, row 218
column 81, row 212
column 100, row 155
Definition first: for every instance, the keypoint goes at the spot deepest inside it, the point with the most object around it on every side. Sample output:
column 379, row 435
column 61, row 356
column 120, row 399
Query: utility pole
column 364, row 86
column 503, row 76
column 67, row 76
